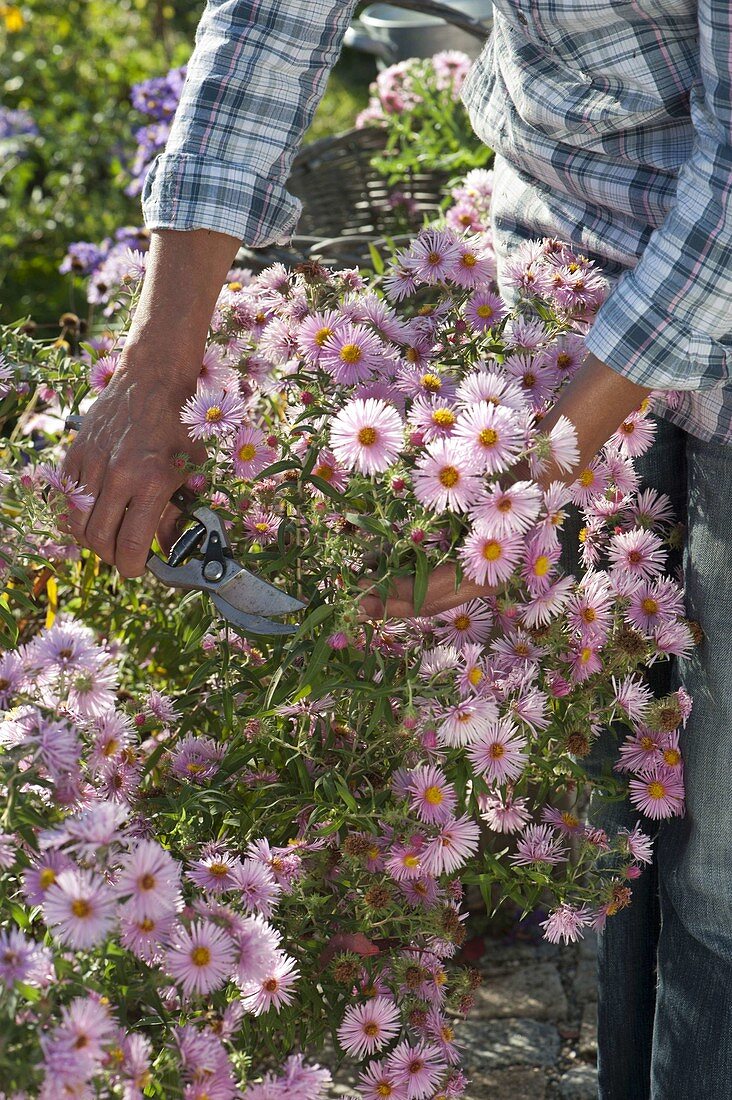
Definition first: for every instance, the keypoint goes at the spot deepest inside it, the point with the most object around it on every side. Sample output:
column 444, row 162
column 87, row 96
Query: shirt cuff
column 641, row 341
column 186, row 191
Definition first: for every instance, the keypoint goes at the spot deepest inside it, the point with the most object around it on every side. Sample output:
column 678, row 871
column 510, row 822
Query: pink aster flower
column 633, row 695
column 453, row 846
column 149, row 878
column 638, row 554
column 635, row 435
column 490, row 560
column 42, row 875
column 352, row 354
column 507, row 511
column 653, row 603
column 492, row 436
column 431, row 795
column 566, row 923
column 214, row 872
column 21, row 959
column 659, row 792
column 590, row 608
column 475, row 265
column 65, row 490
column 491, row 387
column 377, row 1082
column 540, row 556
column 251, row 453
column 444, row 477
column 503, row 813
column 538, row 845
column 405, row 860
column 534, row 374
column 327, row 469
column 640, row 751
column 370, row 1027
column 433, row 417
column 101, row 371
column 563, row 447
column 212, row 413
column 484, row 310
column 585, row 661
column 466, row 721
column 418, row 1067
column 146, row 937
column 433, row 255
column 79, row 908
column 262, row 526
column 640, row 845
column 274, row 990
column 546, row 605
column 257, row 945
column 564, row 820
column 367, row 436
column 315, row 331
column 499, row 753
column 674, row 639
column 469, row 623
column 196, row 758
column 201, row 958
column 257, row 885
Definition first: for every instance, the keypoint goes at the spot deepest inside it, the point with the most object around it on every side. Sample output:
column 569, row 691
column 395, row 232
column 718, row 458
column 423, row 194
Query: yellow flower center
column 80, row 907
column 410, row 861
column 443, row 418
column 146, row 882
column 373, row 853
column 570, row 820
column 322, row 335
column 111, row 747
column 350, row 353
column 585, row 655
column 434, row 796
column 411, row 355
column 541, row 566
column 461, row 622
column 588, row 614
column 647, row 743
column 627, row 427
column 431, row 382
column 46, row 878
column 367, row 437
column 434, row 258
column 384, row 1089
column 656, row 789
column 214, row 413
column 672, row 757
column 468, row 259
column 218, row 869
column 564, row 360
column 146, row 925
column 492, row 550
column 650, row 606
column 475, row 676
column 488, row 437
column 247, row 452
column 200, row 956
column 371, row 1029
column 324, row 471
column 497, row 750
column 587, row 477
column 485, row 311
column 449, row 476
column 261, row 527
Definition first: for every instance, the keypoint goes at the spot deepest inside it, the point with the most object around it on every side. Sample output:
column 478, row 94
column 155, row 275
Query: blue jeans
column 665, row 963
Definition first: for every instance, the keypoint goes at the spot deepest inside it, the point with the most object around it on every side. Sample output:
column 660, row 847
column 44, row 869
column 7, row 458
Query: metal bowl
column 394, row 34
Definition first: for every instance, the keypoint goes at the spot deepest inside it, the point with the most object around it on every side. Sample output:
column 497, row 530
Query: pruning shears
column 241, row 597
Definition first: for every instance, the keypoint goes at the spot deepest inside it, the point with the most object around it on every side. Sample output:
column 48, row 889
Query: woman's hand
column 124, row 455
column 443, row 593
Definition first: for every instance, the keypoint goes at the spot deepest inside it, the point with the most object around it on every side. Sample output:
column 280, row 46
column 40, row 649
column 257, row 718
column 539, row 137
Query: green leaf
column 421, row 580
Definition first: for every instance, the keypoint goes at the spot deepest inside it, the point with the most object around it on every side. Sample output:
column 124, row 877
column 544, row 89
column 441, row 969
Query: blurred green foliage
column 71, row 65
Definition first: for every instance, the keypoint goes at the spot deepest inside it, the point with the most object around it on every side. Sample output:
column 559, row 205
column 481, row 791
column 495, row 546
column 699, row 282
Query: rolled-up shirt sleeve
column 667, row 324
column 256, row 75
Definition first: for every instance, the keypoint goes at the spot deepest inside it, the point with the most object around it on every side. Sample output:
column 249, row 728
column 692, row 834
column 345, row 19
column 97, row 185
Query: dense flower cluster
column 281, row 853
column 156, row 98
column 404, row 86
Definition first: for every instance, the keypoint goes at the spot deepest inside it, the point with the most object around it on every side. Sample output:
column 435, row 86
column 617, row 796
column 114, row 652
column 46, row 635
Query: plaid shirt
column 612, row 124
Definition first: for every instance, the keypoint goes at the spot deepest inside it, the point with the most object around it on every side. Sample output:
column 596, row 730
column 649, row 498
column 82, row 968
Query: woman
column 612, row 121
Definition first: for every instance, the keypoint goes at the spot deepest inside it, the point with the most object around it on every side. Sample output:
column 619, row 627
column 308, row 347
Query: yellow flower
column 13, row 17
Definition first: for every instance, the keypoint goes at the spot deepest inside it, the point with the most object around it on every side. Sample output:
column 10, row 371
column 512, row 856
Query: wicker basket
column 345, row 202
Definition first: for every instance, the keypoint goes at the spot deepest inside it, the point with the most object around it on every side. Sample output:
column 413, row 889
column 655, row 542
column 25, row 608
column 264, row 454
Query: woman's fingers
column 169, row 527
column 443, row 594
